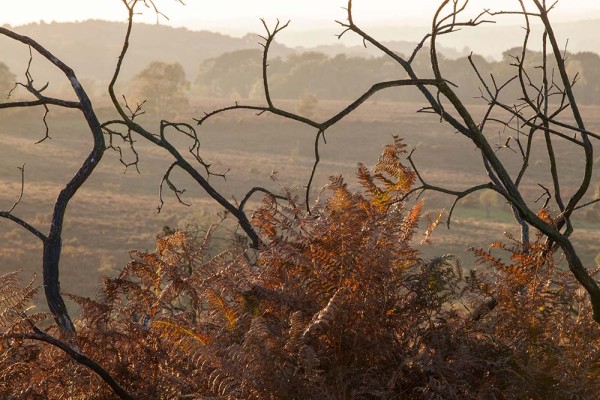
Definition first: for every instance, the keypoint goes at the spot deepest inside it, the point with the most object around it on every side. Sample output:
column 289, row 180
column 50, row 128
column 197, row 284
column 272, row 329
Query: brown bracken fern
column 338, row 304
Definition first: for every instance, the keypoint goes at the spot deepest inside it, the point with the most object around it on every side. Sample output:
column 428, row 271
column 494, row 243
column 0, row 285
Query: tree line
column 238, row 75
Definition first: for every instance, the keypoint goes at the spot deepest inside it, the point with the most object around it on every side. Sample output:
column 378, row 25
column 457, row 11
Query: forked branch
column 53, row 241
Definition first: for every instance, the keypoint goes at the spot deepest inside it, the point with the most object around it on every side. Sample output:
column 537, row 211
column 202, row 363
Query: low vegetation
column 313, row 294
column 338, row 305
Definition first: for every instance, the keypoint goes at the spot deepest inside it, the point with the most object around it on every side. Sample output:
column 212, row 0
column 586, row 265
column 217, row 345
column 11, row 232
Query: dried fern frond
column 15, row 301
column 182, row 337
column 325, row 317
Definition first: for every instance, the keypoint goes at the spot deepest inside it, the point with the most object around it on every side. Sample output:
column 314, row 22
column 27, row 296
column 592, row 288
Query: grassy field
column 116, row 211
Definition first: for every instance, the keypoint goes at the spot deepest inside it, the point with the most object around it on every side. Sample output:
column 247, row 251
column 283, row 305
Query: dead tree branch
column 53, row 241
column 531, row 115
column 160, row 140
column 80, row 358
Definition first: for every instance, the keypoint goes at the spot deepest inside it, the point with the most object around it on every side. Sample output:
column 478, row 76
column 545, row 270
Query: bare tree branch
column 160, row 140
column 53, row 241
column 257, row 189
column 76, row 356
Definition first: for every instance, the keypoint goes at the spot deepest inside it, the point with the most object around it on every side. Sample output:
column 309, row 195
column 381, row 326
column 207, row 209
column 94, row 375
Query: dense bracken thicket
column 338, row 305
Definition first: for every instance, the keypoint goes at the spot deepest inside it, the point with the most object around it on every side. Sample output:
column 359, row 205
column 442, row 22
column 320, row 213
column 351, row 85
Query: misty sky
column 239, row 16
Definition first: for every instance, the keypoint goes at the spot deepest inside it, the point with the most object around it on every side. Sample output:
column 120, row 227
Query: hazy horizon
column 237, row 17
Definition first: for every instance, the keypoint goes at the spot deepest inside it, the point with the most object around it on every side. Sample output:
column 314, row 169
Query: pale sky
column 240, row 16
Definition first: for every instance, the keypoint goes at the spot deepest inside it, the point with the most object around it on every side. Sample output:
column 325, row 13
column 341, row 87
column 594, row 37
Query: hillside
column 91, row 48
column 490, row 41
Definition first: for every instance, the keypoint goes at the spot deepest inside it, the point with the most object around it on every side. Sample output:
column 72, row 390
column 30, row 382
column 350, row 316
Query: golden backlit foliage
column 337, row 305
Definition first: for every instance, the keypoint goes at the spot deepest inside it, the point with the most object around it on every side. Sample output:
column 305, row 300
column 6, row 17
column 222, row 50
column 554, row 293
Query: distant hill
column 92, row 47
column 400, row 46
column 491, row 40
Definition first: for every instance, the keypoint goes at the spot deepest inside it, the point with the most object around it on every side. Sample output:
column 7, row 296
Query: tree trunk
column 52, row 249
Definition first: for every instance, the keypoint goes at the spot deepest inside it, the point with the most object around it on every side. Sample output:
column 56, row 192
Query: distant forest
column 238, row 75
